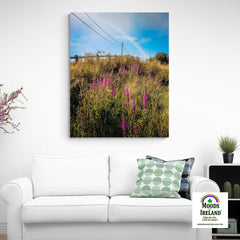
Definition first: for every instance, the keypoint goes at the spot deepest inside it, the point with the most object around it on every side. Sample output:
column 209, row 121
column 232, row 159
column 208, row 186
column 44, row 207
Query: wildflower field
column 119, row 96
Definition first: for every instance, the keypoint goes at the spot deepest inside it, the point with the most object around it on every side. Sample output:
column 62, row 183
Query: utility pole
column 122, row 49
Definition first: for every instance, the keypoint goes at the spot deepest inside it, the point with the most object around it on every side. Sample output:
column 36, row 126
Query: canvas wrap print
column 185, row 184
column 158, row 179
column 119, row 74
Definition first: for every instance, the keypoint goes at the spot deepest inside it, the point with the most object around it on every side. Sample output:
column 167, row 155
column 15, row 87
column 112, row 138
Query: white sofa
column 87, row 198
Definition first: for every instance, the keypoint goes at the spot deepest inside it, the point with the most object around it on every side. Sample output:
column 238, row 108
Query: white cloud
column 144, row 40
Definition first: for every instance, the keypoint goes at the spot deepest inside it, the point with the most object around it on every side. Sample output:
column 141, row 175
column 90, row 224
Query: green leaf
column 227, row 144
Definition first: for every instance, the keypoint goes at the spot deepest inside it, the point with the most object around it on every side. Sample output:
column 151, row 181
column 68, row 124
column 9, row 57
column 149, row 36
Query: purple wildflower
column 134, row 68
column 124, row 127
column 109, row 82
column 112, row 90
column 133, row 107
column 127, row 94
column 13, row 95
column 144, row 100
column 125, row 104
column 105, row 82
column 135, row 128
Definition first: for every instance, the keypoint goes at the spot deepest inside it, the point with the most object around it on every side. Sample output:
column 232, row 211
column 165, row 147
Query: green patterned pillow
column 156, row 179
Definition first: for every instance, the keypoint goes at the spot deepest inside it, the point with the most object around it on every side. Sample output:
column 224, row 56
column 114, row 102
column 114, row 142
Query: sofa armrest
column 16, row 192
column 202, row 184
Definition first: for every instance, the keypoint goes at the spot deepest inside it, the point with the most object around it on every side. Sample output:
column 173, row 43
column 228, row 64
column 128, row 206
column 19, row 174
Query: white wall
column 204, row 80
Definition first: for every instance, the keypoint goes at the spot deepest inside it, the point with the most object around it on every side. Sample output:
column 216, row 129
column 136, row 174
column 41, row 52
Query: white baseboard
column 3, row 228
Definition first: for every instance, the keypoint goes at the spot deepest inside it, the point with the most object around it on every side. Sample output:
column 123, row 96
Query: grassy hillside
column 119, row 97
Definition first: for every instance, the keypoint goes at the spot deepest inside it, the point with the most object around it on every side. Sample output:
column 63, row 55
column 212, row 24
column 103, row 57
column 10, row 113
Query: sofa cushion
column 123, row 174
column 70, row 176
column 157, row 179
column 184, row 190
column 126, row 209
column 66, row 209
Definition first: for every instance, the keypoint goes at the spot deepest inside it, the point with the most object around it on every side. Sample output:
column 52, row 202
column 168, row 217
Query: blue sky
column 142, row 34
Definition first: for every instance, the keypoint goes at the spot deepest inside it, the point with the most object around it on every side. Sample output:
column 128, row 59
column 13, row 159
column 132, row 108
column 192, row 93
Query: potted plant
column 228, row 145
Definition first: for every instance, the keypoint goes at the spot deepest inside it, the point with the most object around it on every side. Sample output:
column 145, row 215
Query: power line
column 93, row 29
column 122, row 33
column 102, row 28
